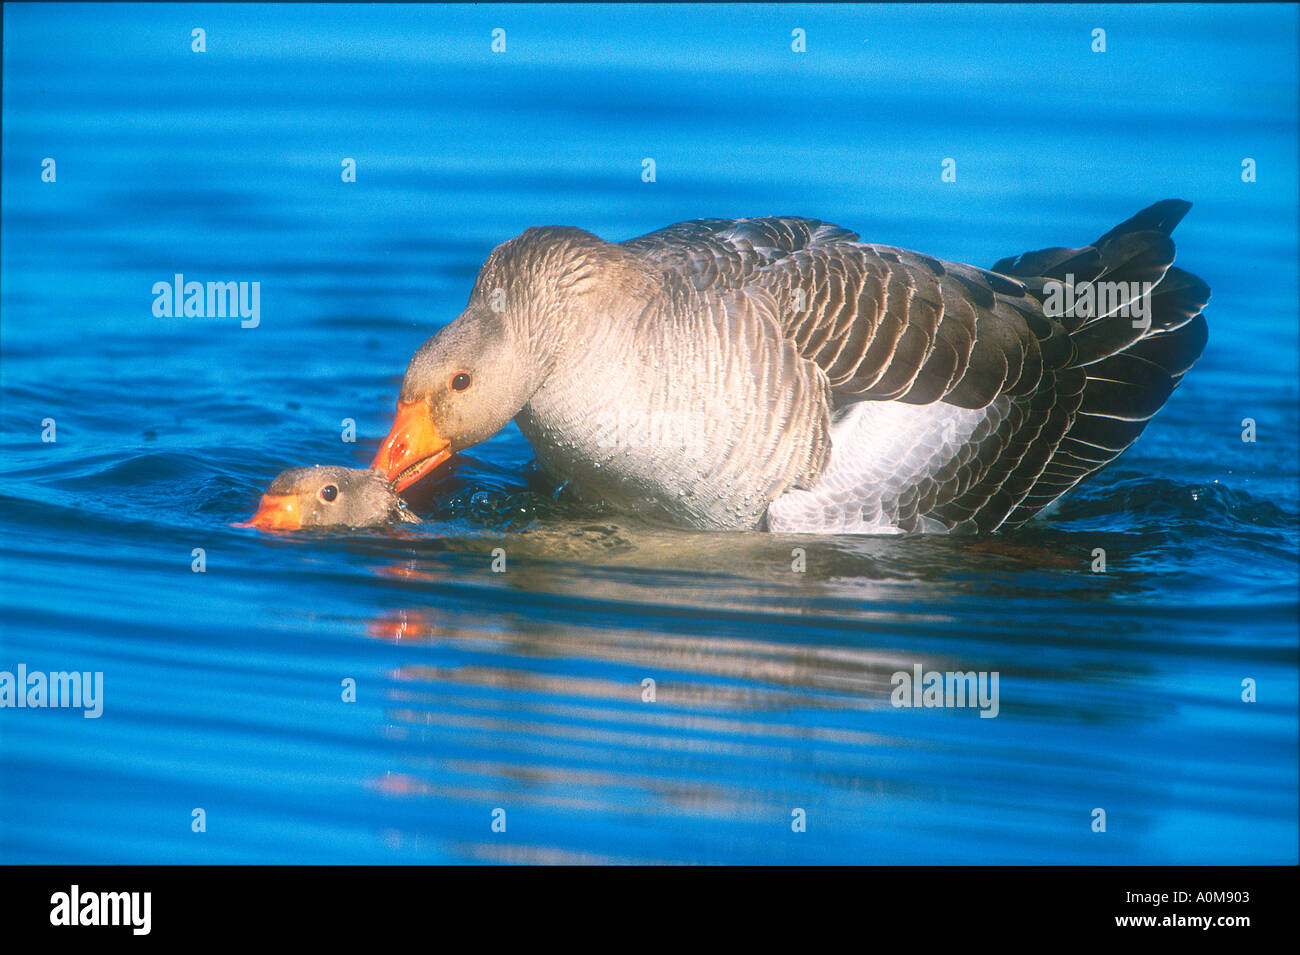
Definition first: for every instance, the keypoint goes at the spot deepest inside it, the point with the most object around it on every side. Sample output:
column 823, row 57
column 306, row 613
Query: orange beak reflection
column 413, row 447
column 277, row 512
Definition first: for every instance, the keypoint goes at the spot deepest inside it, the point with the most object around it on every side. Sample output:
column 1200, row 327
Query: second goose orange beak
column 277, row 512
column 413, row 447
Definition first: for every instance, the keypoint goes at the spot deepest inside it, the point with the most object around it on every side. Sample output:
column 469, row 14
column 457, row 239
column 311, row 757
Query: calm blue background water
column 522, row 690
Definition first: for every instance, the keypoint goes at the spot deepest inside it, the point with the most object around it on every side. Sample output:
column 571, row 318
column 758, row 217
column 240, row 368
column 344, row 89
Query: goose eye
column 460, row 381
column 328, row 493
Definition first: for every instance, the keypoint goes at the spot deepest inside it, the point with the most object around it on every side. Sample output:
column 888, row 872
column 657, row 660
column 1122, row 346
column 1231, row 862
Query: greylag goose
column 322, row 496
column 780, row 373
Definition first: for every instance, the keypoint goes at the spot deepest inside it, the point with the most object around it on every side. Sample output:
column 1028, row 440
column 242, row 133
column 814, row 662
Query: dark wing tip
column 1163, row 216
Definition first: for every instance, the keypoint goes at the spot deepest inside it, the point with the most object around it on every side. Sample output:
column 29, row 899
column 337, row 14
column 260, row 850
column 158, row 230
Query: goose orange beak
column 277, row 512
column 413, row 447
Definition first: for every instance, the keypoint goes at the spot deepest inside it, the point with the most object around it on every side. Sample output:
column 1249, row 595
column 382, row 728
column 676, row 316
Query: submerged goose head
column 329, row 496
column 525, row 315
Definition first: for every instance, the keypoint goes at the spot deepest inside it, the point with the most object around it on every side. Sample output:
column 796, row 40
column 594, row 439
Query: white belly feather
column 879, row 450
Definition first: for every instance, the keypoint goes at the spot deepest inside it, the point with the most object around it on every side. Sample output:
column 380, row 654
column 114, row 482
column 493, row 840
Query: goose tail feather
column 1141, row 332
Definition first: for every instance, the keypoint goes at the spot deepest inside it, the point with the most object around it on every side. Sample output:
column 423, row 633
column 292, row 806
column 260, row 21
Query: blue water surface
column 525, row 691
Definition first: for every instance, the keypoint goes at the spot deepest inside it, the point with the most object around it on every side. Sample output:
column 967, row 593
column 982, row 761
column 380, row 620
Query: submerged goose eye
column 328, row 493
column 460, row 381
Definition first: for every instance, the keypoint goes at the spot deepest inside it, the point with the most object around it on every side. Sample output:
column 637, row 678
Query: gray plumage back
column 1061, row 395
